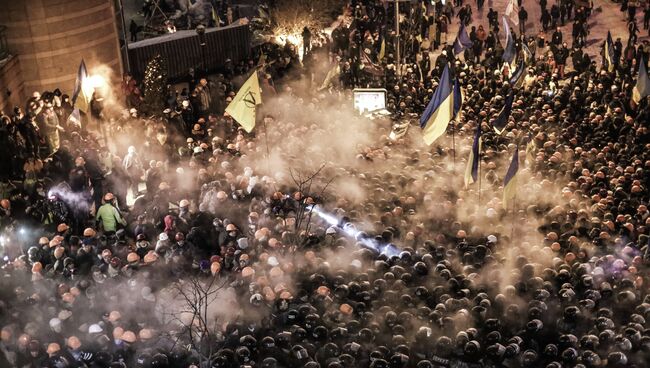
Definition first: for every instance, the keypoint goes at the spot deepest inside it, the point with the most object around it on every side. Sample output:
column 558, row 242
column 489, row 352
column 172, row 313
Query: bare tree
column 199, row 324
column 303, row 183
column 291, row 16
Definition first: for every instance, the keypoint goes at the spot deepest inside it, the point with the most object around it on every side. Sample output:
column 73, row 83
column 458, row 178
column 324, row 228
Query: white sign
column 369, row 99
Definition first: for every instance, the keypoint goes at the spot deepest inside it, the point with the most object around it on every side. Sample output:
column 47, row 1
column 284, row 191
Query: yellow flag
column 244, row 105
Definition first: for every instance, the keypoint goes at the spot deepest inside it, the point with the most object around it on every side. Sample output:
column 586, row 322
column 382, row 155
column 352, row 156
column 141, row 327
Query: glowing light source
column 92, row 83
column 350, row 230
column 292, row 38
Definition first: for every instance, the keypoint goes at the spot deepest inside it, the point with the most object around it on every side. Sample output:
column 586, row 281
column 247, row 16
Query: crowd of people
column 180, row 240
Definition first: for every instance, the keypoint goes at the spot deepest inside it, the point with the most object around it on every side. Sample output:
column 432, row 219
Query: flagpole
column 453, row 144
column 514, row 211
column 479, row 175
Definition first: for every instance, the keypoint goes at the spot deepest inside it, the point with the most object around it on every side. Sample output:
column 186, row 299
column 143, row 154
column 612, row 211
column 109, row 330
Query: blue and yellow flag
column 501, row 121
column 471, row 171
column 458, row 99
column 609, row 52
column 80, row 100
column 440, row 110
column 518, row 75
column 510, row 182
column 462, row 41
column 509, row 52
column 642, row 87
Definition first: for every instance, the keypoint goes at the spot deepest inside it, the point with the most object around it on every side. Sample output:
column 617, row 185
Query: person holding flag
column 243, row 107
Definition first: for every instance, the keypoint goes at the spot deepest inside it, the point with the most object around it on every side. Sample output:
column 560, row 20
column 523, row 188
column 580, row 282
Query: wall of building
column 50, row 37
column 12, row 91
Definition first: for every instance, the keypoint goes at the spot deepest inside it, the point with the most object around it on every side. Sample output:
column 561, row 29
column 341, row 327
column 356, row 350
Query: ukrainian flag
column 509, row 51
column 642, row 87
column 458, row 99
column 471, row 171
column 510, row 182
column 441, row 109
column 80, row 100
column 462, row 41
column 502, row 120
column 609, row 52
column 517, row 76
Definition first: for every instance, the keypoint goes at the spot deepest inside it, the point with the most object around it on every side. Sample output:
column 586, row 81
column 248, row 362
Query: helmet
column 108, row 197
column 159, row 361
column 132, row 257
column 269, row 362
column 184, row 203
column 128, row 336
column 231, row 227
column 268, row 342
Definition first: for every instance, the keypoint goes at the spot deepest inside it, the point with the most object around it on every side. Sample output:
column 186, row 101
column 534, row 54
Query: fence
column 182, row 50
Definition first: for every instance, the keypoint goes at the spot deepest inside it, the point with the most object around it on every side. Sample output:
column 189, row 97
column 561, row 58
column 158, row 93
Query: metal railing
column 4, row 48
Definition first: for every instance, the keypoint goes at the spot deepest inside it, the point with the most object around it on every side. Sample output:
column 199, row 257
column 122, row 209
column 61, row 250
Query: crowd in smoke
column 180, row 240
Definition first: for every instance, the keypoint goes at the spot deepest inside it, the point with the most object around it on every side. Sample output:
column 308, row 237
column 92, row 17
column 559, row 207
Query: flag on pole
column 458, row 99
column 501, row 121
column 368, row 66
column 462, row 41
column 471, row 171
column 527, row 54
column 517, row 76
column 382, row 49
column 509, row 51
column 80, row 98
column 510, row 181
column 74, row 118
column 642, row 87
column 609, row 52
column 512, row 11
column 243, row 107
column 439, row 111
column 331, row 74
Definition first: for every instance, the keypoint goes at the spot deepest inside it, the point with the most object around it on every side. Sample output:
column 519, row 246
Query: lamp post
column 397, row 50
column 200, row 31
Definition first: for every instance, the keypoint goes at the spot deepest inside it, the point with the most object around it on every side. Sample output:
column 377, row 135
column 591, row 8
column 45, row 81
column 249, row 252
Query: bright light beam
column 350, row 230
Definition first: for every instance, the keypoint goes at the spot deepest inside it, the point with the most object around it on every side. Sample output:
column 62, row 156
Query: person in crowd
column 239, row 252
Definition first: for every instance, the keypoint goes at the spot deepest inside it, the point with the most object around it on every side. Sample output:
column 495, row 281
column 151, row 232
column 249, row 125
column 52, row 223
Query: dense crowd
column 175, row 240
